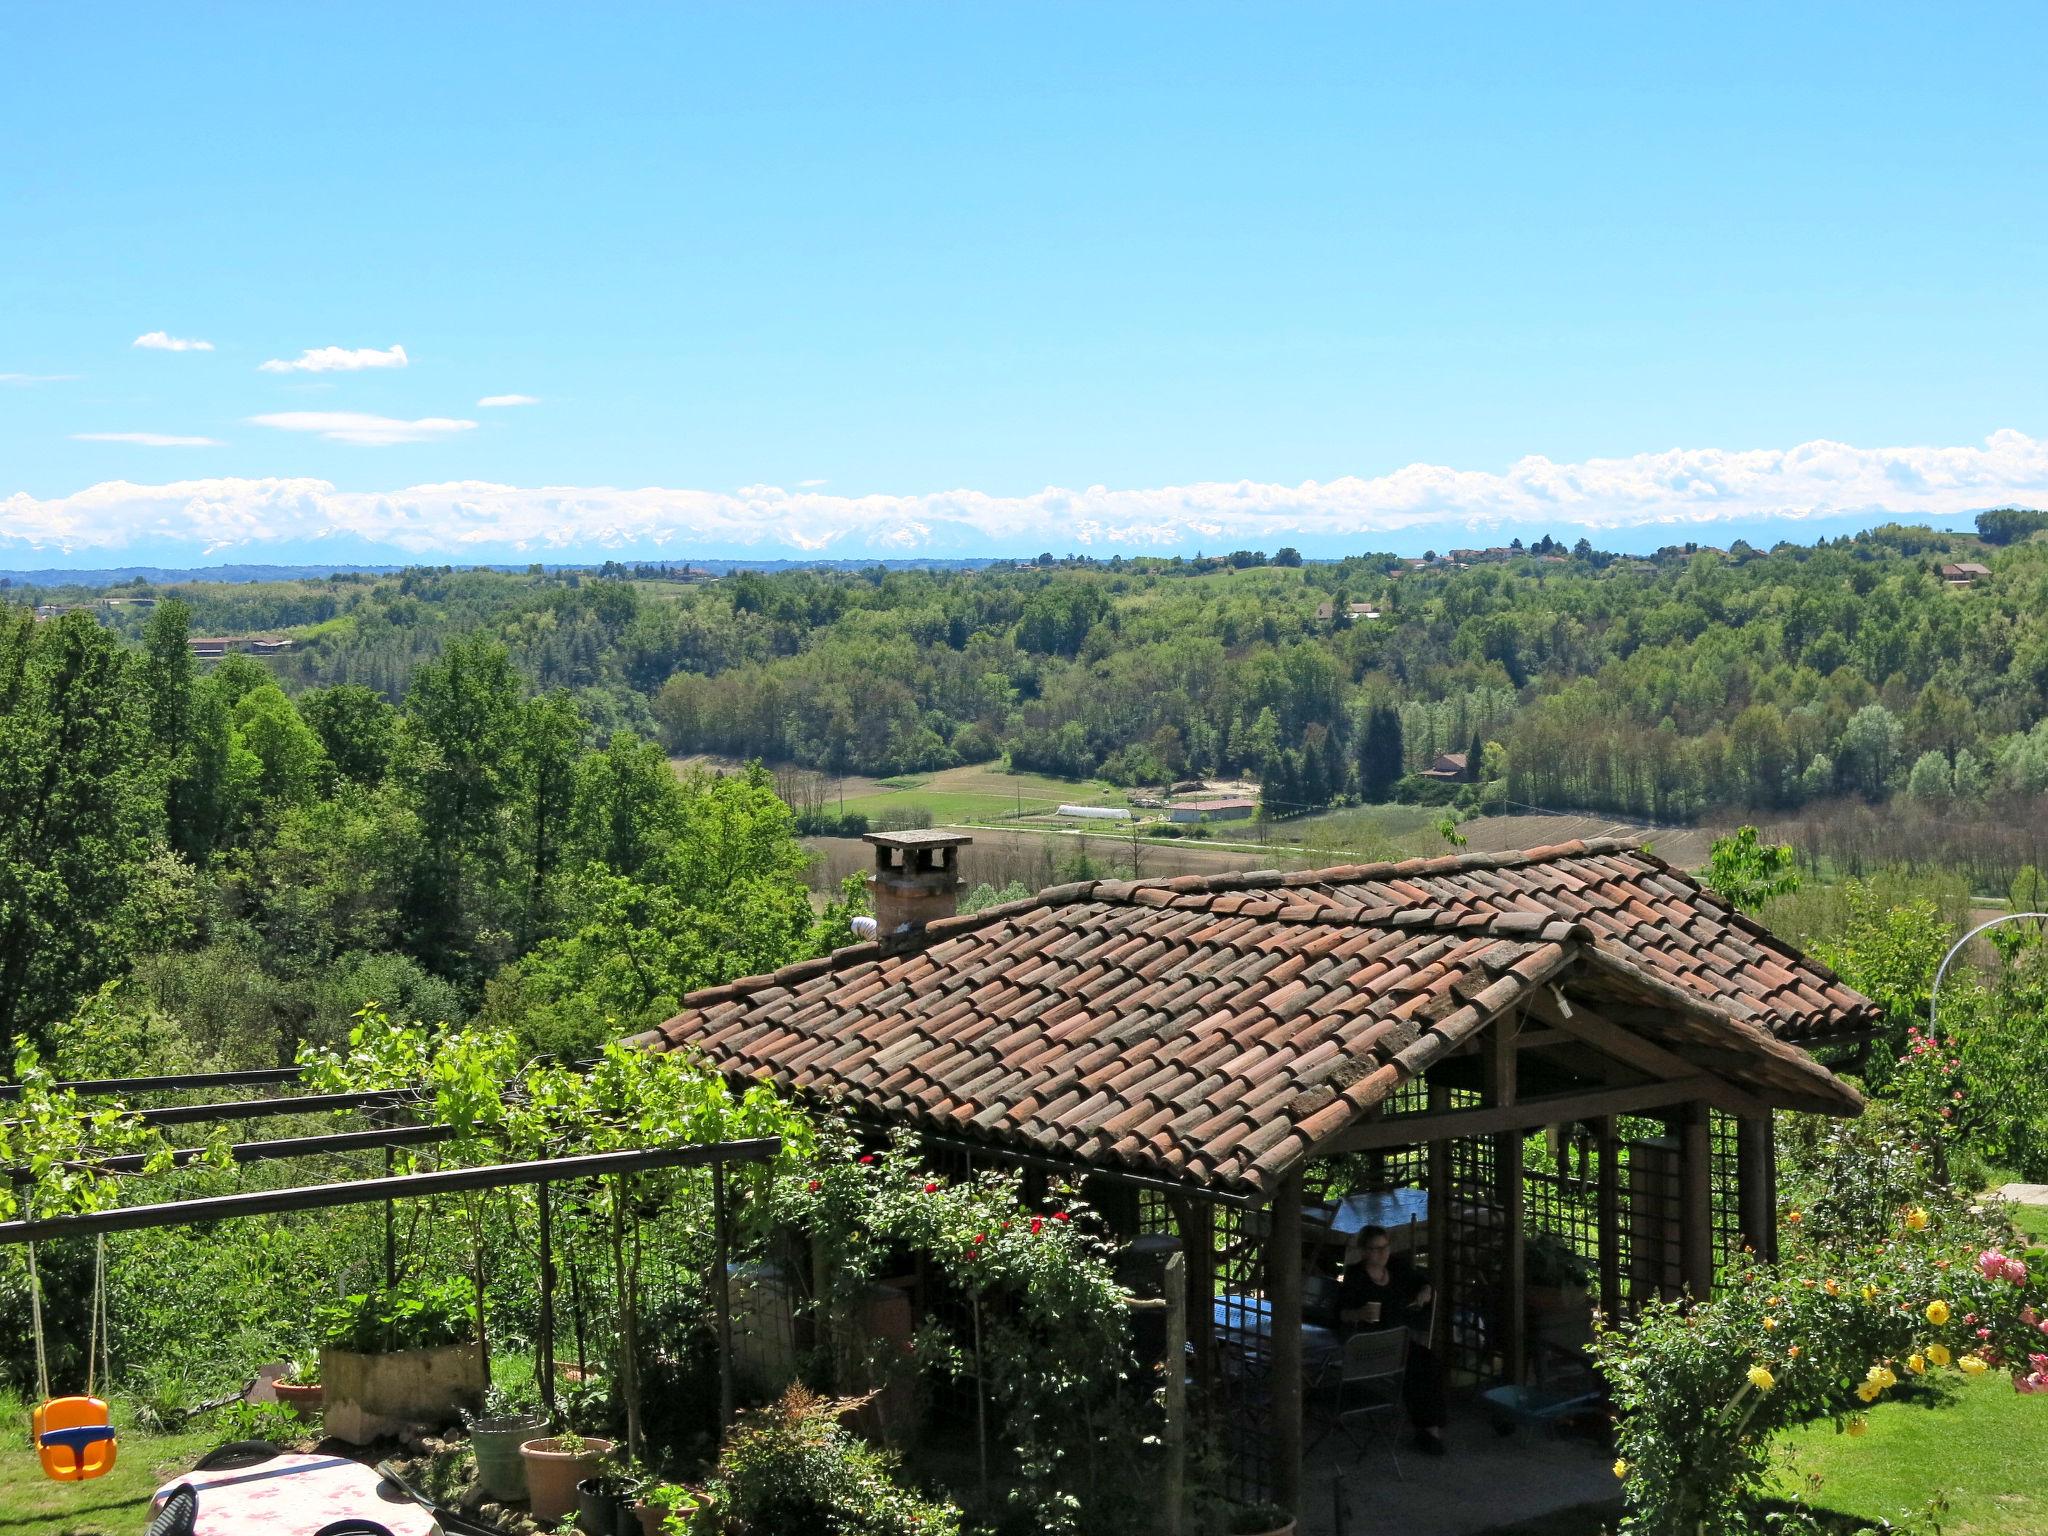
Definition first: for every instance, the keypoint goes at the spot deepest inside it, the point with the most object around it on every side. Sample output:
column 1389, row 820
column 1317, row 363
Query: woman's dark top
column 1397, row 1296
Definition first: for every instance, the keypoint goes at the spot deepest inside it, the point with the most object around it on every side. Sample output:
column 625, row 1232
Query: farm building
column 1231, row 808
column 1449, row 768
column 1095, row 812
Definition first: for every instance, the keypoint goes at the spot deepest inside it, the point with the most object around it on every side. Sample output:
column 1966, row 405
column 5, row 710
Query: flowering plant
column 1835, row 1326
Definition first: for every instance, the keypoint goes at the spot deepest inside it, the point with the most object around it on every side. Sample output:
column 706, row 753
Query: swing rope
column 35, row 1311
column 96, row 1338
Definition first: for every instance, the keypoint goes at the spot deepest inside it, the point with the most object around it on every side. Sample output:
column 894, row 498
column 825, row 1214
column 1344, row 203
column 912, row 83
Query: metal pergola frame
column 541, row 1172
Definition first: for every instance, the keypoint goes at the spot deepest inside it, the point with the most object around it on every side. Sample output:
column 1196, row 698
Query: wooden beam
column 1756, row 1195
column 1283, row 1296
column 1440, row 1262
column 1607, row 1205
column 1528, row 1115
column 1582, row 1022
column 1696, row 1201
column 1500, row 1062
column 1196, row 1220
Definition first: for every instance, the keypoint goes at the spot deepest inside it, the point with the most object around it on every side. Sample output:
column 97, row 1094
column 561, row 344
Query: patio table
column 1247, row 1323
column 293, row 1495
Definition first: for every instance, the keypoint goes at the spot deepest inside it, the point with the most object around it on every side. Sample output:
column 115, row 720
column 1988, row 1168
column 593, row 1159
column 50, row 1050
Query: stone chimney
column 916, row 878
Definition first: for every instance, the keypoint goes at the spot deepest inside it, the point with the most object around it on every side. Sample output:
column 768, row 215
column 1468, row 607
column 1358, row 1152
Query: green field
column 114, row 1505
column 983, row 793
column 1981, row 1449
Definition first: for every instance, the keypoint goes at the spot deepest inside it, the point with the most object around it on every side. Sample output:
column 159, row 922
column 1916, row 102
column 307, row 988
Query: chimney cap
column 918, row 839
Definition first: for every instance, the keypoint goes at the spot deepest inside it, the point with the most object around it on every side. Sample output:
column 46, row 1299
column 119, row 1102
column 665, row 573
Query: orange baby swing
column 74, row 1435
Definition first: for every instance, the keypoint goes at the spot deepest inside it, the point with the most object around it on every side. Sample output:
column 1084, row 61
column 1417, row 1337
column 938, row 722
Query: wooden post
column 1695, row 1201
column 1175, row 1434
column 721, row 1291
column 1607, row 1201
column 1440, row 1228
column 1756, row 1197
column 1283, row 1295
column 545, row 1344
column 1499, row 1057
column 1197, row 1222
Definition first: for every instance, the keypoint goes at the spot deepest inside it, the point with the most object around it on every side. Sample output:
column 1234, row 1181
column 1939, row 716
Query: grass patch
column 114, row 1505
column 1980, row 1445
column 2032, row 1220
column 980, row 793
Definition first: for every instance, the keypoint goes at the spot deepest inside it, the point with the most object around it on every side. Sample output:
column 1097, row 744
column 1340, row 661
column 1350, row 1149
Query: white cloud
column 811, row 485
column 338, row 360
column 37, row 378
column 162, row 341
column 147, row 439
column 491, row 402
column 363, row 429
column 1684, row 489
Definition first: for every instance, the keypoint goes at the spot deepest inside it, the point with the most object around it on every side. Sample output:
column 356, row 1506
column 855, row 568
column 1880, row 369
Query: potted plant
column 299, row 1388
column 554, row 1466
column 495, row 1436
column 604, row 1500
column 669, row 1507
column 399, row 1357
column 1259, row 1520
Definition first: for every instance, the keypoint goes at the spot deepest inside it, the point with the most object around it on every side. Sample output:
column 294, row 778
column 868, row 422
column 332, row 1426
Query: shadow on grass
column 1581, row 1520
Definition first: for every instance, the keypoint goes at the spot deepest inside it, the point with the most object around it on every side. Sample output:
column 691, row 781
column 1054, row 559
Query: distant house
column 212, row 647
column 1362, row 611
column 1963, row 573
column 1095, row 812
column 1234, row 808
column 1326, row 610
column 1449, row 768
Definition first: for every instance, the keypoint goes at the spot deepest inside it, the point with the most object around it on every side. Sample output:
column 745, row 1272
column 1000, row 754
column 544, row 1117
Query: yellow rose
column 1916, row 1219
column 1858, row 1425
column 1938, row 1353
column 1937, row 1312
column 1770, row 1324
column 1916, row 1364
column 1867, row 1392
column 1761, row 1379
column 1870, row 1294
column 1832, row 1286
column 1620, row 1468
column 1882, row 1378
column 1972, row 1365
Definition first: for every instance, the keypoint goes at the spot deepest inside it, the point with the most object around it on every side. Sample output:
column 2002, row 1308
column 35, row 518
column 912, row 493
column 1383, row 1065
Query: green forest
column 452, row 791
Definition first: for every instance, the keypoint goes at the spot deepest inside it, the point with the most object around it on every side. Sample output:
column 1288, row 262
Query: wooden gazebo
column 1200, row 1042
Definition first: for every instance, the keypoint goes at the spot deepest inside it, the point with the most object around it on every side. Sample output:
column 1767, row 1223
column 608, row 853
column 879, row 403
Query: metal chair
column 1375, row 1367
column 178, row 1514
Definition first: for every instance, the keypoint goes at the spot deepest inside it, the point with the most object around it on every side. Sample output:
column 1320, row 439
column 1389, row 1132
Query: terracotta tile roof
column 1215, row 1029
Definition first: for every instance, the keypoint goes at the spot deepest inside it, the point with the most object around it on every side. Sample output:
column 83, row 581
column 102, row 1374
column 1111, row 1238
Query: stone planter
column 553, row 1473
column 500, row 1470
column 369, row 1397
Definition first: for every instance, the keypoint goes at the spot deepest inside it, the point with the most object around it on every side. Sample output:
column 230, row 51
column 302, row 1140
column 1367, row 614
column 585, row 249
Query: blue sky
column 883, row 278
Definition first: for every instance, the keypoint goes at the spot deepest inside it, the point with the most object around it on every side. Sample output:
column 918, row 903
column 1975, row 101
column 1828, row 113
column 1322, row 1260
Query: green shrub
column 417, row 1316
column 790, row 1467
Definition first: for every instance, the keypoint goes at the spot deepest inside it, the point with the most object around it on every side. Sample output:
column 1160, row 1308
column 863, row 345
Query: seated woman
column 1374, row 1292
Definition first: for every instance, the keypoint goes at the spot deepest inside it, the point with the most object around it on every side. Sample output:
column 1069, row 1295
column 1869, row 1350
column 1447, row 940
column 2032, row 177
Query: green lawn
column 983, row 793
column 2032, row 1220
column 1982, row 1447
column 114, row 1505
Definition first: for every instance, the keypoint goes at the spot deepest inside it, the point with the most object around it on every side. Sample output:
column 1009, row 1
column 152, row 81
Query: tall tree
column 78, row 804
column 1380, row 753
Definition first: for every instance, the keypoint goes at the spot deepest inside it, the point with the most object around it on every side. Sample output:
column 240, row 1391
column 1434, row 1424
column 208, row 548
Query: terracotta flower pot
column 304, row 1399
column 553, row 1473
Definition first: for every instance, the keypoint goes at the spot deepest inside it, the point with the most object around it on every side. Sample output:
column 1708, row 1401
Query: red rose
column 815, row 1186
column 931, row 1189
column 980, row 1238
column 869, row 1158
column 1059, row 1215
column 1036, row 1225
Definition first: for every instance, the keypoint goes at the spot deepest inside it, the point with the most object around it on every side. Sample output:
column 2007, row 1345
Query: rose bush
column 1843, row 1319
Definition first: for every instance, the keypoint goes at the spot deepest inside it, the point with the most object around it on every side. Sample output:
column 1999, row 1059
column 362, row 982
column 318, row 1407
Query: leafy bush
column 1870, row 1297
column 791, row 1467
column 419, row 1316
